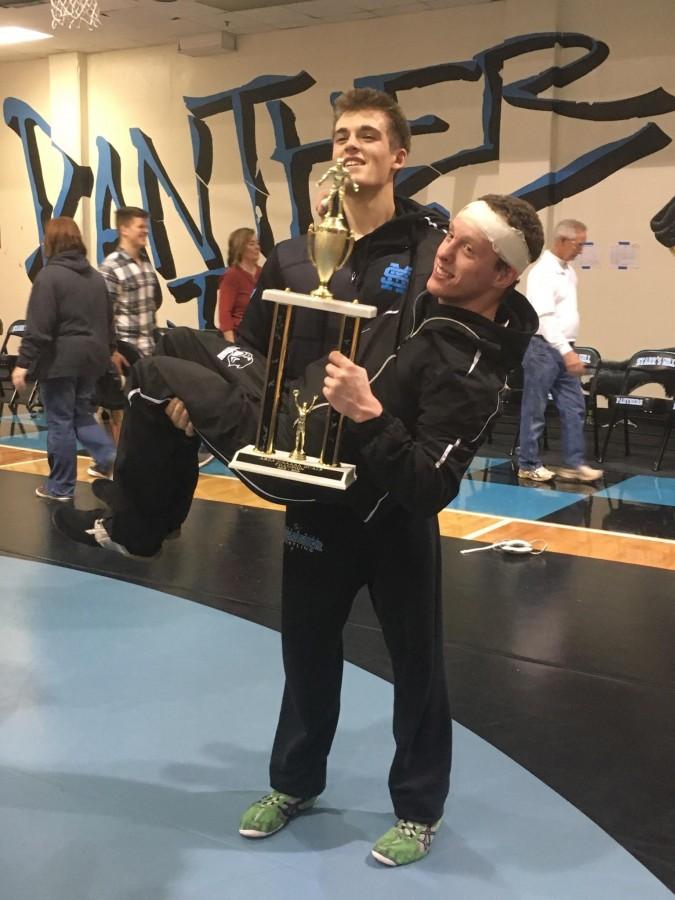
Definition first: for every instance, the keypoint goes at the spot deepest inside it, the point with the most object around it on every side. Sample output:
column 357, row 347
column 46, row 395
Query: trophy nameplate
column 280, row 465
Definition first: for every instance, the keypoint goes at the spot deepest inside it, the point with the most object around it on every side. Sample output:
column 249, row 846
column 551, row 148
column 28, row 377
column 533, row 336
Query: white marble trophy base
column 280, row 465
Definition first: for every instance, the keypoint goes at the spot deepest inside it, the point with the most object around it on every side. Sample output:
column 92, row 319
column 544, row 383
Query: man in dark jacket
column 66, row 346
column 427, row 382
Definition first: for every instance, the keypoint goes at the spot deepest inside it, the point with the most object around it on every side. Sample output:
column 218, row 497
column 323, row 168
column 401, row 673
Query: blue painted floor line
column 643, row 489
column 22, row 416
column 137, row 725
column 216, row 467
column 32, row 440
column 480, row 463
column 512, row 500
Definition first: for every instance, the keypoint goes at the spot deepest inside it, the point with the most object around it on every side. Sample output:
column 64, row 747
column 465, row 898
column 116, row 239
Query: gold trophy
column 331, row 242
column 329, row 245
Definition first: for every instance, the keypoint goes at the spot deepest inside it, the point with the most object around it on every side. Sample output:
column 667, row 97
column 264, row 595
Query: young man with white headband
column 507, row 242
column 417, row 404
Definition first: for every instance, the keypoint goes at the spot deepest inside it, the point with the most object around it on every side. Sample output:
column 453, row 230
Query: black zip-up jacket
column 392, row 262
column 438, row 370
column 69, row 330
column 440, row 385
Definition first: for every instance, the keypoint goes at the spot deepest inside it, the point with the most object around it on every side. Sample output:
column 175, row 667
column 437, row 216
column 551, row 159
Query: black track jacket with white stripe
column 437, row 370
column 440, row 386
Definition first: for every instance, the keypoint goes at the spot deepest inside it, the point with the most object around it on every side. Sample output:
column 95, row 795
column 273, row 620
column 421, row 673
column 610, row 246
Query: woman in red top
column 239, row 281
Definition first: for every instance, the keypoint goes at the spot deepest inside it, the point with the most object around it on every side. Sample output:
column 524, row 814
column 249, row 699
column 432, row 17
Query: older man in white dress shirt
column 551, row 364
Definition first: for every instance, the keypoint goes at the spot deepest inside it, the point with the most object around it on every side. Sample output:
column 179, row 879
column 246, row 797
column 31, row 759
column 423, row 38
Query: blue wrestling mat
column 136, row 726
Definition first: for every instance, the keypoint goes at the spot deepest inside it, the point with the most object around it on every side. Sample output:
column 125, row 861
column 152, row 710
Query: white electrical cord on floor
column 515, row 546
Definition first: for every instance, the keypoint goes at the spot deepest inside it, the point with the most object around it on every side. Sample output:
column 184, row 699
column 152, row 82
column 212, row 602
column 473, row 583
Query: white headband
column 508, row 243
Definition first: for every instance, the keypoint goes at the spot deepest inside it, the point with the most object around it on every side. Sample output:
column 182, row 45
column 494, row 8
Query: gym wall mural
column 275, row 93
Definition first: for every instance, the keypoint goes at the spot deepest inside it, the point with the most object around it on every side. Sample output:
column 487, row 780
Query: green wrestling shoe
column 406, row 842
column 271, row 813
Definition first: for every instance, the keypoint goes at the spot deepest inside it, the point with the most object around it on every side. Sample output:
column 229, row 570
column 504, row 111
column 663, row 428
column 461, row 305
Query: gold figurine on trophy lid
column 329, row 245
column 330, row 242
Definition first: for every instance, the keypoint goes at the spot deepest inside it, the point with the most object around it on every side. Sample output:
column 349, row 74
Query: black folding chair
column 8, row 362
column 652, row 367
column 592, row 360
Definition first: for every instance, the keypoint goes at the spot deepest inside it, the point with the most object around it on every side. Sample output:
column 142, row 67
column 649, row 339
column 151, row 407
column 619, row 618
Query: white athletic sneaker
column 581, row 473
column 541, row 473
column 100, row 472
column 205, row 458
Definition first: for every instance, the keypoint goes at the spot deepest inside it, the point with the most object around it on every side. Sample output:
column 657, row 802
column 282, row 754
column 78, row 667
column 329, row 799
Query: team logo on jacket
column 396, row 278
column 235, row 357
column 296, row 539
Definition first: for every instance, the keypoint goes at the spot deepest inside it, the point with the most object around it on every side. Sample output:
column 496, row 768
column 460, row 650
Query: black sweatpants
column 329, row 554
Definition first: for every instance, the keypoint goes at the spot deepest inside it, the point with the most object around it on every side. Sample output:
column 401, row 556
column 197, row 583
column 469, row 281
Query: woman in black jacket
column 67, row 346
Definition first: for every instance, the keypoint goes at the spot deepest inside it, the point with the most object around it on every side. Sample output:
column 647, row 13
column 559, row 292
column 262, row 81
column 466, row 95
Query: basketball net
column 73, row 13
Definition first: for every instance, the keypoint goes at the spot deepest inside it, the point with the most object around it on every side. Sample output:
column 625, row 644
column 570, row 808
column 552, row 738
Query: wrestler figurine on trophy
column 329, row 245
column 304, row 409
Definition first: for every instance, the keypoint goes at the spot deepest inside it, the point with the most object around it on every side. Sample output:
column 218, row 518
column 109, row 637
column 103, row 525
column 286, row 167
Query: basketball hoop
column 72, row 13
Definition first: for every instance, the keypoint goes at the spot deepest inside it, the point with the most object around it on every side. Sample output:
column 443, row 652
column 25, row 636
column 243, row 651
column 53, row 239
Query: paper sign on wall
column 624, row 255
column 589, row 258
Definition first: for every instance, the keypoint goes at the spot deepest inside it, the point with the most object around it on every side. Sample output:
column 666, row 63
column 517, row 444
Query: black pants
column 156, row 468
column 328, row 555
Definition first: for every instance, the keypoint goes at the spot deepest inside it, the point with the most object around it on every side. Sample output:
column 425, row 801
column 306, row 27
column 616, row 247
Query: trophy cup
column 329, row 245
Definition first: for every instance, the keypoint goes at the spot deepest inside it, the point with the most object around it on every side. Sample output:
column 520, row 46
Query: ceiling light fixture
column 234, row 6
column 12, row 34
column 209, row 44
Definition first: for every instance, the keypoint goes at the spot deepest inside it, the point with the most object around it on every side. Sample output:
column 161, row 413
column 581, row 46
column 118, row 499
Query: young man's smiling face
column 466, row 270
column 135, row 233
column 361, row 138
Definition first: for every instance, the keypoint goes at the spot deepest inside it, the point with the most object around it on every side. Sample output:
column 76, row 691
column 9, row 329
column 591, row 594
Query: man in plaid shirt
column 132, row 287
